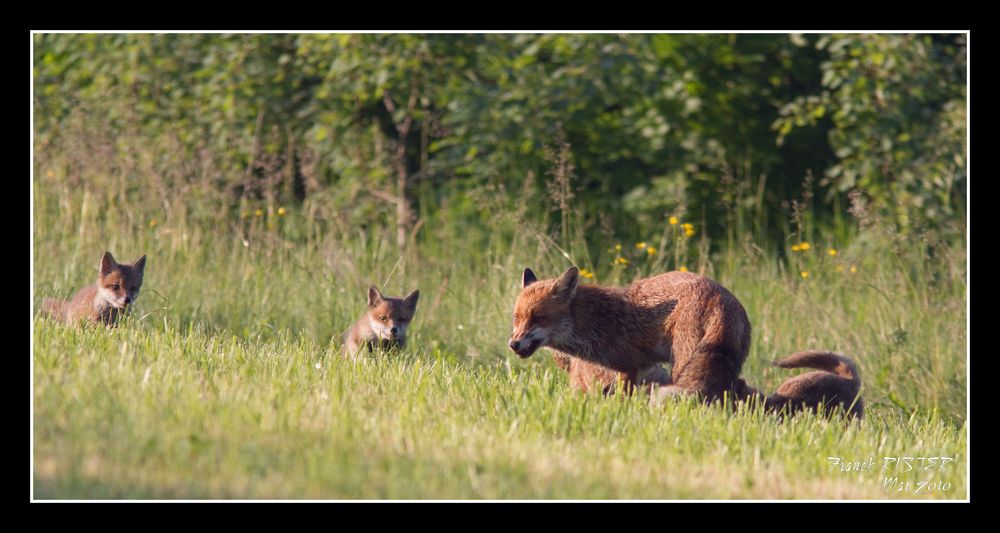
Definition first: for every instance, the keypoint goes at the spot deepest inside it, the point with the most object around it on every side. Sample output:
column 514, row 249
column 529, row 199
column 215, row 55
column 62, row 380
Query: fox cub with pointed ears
column 384, row 323
column 105, row 302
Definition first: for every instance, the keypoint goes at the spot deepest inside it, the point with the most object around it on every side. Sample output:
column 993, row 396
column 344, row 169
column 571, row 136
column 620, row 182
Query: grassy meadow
column 224, row 382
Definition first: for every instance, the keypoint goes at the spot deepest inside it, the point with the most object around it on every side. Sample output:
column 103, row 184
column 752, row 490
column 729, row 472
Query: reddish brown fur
column 385, row 313
column 677, row 317
column 583, row 375
column 118, row 281
column 602, row 335
column 835, row 385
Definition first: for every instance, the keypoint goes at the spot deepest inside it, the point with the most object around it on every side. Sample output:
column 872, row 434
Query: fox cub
column 605, row 334
column 384, row 323
column 117, row 287
column 836, row 383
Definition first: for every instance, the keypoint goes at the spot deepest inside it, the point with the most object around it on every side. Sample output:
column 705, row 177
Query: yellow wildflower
column 805, row 246
column 853, row 269
column 673, row 221
column 651, row 250
column 618, row 247
column 586, row 273
column 259, row 212
column 621, row 261
column 683, row 269
column 50, row 174
column 805, row 274
column 281, row 211
column 796, row 248
column 640, row 245
column 832, row 251
column 688, row 229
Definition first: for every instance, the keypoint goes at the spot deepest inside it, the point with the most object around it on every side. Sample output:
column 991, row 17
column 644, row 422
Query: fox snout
column 394, row 332
column 524, row 347
column 127, row 300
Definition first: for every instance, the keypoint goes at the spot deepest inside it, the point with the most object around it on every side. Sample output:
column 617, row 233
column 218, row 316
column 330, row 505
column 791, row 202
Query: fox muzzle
column 524, row 348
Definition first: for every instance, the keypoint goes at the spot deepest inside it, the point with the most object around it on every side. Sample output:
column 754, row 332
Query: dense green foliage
column 724, row 130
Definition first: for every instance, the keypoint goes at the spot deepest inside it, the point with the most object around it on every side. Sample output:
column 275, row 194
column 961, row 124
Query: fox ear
column 410, row 302
column 567, row 282
column 528, row 278
column 374, row 296
column 140, row 265
column 108, row 264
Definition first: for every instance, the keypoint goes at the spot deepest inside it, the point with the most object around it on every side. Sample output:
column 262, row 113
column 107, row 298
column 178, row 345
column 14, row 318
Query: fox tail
column 835, row 383
column 834, row 363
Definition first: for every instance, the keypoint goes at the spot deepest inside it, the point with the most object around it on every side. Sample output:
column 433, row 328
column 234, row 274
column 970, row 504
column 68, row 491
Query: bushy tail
column 837, row 384
column 835, row 363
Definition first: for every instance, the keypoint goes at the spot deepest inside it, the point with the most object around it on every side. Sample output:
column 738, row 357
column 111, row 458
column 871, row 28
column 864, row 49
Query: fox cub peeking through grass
column 384, row 323
column 602, row 335
column 117, row 287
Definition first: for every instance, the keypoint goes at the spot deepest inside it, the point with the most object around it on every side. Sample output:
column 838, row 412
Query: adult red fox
column 117, row 287
column 604, row 334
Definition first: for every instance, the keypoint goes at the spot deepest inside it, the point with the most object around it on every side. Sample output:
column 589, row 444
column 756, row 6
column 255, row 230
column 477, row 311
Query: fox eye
column 383, row 318
column 115, row 287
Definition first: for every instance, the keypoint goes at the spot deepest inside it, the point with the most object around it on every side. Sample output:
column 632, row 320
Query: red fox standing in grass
column 384, row 323
column 606, row 334
column 117, row 287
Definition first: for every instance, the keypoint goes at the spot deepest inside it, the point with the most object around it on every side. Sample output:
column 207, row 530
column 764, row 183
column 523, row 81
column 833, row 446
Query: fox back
column 117, row 287
column 384, row 323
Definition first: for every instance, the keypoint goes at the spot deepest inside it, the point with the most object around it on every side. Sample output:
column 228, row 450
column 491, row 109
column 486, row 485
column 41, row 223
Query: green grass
column 142, row 413
column 224, row 383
